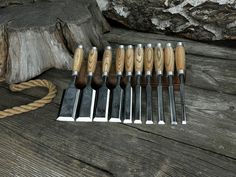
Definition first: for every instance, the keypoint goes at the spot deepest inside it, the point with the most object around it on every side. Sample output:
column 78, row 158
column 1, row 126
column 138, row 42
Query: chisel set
column 122, row 103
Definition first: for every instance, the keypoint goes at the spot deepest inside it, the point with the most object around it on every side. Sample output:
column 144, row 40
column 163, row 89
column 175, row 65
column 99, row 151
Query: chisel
column 71, row 95
column 148, row 65
column 169, row 66
column 180, row 65
column 138, row 67
column 129, row 64
column 159, row 65
column 117, row 93
column 88, row 94
column 101, row 110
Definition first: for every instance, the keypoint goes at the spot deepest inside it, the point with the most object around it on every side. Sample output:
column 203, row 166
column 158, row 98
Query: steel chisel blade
column 137, row 116
column 87, row 105
column 69, row 104
column 128, row 104
column 116, row 106
column 149, row 104
column 101, row 112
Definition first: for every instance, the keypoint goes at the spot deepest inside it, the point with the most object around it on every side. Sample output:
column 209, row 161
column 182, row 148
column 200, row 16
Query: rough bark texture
column 38, row 35
column 199, row 20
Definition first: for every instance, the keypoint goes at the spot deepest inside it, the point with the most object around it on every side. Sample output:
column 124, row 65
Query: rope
column 34, row 105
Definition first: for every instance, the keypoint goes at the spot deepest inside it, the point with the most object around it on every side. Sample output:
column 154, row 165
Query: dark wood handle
column 138, row 59
column 78, row 58
column 106, row 62
column 180, row 57
column 129, row 59
column 148, row 59
column 92, row 60
column 159, row 59
column 169, row 59
column 120, row 59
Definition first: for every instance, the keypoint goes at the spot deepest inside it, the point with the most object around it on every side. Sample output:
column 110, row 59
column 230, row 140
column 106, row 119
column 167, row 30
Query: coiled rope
column 34, row 105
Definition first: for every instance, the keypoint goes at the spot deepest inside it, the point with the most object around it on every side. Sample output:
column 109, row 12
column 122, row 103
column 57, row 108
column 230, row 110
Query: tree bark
column 198, row 20
column 38, row 35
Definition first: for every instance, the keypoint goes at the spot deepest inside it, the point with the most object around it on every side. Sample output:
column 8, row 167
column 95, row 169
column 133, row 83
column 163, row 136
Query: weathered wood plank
column 120, row 149
column 22, row 157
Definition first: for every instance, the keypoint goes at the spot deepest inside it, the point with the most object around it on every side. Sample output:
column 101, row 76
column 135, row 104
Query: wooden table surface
column 35, row 144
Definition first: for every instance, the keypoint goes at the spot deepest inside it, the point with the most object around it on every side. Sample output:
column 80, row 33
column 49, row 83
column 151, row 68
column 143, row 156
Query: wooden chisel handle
column 129, row 60
column 169, row 59
column 138, row 59
column 120, row 59
column 92, row 60
column 159, row 59
column 148, row 59
column 106, row 61
column 180, row 58
column 78, row 59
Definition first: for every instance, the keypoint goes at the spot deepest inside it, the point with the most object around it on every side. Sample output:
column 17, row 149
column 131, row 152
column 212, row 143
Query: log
column 198, row 20
column 38, row 35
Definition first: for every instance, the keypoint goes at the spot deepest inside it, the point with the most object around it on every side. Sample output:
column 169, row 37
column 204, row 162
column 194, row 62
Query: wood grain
column 78, row 59
column 129, row 59
column 148, row 59
column 106, row 61
column 180, row 57
column 92, row 60
column 169, row 59
column 120, row 59
column 138, row 59
column 158, row 59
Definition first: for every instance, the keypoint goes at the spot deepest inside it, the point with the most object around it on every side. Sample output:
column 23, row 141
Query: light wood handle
column 92, row 60
column 78, row 58
column 106, row 61
column 120, row 59
column 159, row 59
column 138, row 59
column 169, row 59
column 148, row 59
column 129, row 59
column 180, row 57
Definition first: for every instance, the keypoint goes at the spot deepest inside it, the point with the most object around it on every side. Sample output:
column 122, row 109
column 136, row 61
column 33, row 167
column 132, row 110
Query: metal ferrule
column 130, row 46
column 90, row 73
column 159, row 72
column 179, row 44
column 181, row 71
column 149, row 45
column 108, row 47
column 75, row 73
column 94, row 48
column 80, row 46
column 121, row 46
column 168, row 45
column 159, row 45
column 170, row 73
column 129, row 74
column 148, row 73
column 139, row 45
column 119, row 73
column 138, row 73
